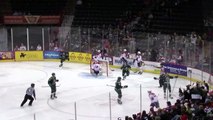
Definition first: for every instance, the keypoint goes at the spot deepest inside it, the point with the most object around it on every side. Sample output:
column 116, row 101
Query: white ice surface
column 77, row 85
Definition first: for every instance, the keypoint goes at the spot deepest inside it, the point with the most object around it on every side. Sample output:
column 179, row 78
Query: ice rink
column 76, row 85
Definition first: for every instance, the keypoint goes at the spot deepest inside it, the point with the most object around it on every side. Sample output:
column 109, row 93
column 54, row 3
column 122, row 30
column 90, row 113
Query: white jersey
column 96, row 67
column 153, row 98
column 22, row 48
column 138, row 58
column 124, row 55
column 97, row 56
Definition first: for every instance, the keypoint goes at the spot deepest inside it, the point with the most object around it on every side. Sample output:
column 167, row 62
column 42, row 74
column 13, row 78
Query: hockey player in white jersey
column 154, row 99
column 138, row 61
column 97, row 56
column 124, row 56
column 96, row 68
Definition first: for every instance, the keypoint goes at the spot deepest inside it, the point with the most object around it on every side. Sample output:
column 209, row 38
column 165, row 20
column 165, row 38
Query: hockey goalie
column 96, row 69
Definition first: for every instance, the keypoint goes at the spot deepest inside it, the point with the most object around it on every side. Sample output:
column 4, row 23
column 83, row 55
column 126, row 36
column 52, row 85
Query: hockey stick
column 110, row 85
column 155, row 78
column 125, row 86
column 44, row 86
column 174, row 84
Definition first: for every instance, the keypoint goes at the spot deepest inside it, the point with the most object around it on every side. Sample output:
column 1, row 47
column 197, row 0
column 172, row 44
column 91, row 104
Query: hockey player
column 166, row 84
column 52, row 83
column 96, row 68
column 124, row 56
column 63, row 56
column 97, row 56
column 118, row 88
column 161, row 80
column 162, row 71
column 162, row 75
column 138, row 61
column 154, row 99
column 30, row 94
column 125, row 70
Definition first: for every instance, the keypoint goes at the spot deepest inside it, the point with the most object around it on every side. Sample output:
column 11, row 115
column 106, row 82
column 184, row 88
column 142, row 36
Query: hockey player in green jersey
column 52, row 83
column 166, row 84
column 125, row 70
column 63, row 56
column 118, row 88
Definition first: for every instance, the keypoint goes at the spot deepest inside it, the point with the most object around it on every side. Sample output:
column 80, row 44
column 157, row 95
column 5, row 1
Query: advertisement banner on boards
column 118, row 62
column 175, row 69
column 51, row 55
column 80, row 57
column 28, row 55
column 6, row 55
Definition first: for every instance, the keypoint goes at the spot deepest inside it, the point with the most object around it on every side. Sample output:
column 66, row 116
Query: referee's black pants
column 27, row 97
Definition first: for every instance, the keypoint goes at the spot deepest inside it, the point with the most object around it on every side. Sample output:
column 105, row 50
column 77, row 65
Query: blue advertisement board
column 175, row 69
column 51, row 55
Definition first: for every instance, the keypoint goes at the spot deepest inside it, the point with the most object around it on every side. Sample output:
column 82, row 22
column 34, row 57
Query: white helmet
column 99, row 51
column 139, row 52
column 125, row 50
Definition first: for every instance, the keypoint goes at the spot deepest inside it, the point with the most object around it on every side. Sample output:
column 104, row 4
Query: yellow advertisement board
column 80, row 57
column 28, row 55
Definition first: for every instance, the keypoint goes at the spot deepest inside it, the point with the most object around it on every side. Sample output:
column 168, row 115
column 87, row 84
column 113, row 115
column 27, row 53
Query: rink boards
column 79, row 57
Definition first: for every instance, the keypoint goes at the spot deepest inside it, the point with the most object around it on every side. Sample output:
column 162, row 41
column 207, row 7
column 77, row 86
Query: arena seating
column 38, row 7
column 183, row 17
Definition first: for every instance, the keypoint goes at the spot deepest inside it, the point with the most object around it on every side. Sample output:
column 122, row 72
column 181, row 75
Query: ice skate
column 140, row 73
column 124, row 77
column 170, row 96
column 164, row 96
column 119, row 101
column 51, row 97
column 60, row 65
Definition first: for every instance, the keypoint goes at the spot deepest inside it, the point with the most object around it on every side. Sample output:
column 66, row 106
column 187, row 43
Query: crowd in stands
column 195, row 102
column 23, row 47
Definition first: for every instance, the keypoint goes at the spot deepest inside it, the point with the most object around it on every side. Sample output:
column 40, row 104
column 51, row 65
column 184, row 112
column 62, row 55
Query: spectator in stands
column 16, row 48
column 153, row 55
column 38, row 47
column 32, row 47
column 145, row 116
column 56, row 48
column 193, row 38
column 22, row 47
column 79, row 2
column 179, row 59
column 51, row 45
column 173, row 60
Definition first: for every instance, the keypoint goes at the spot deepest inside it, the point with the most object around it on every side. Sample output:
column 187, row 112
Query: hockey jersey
column 96, row 67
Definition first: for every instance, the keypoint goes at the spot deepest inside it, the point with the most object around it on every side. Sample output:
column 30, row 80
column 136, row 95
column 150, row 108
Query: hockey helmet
column 99, row 51
column 139, row 52
column 162, row 64
column 125, row 50
column 149, row 91
column 32, row 84
column 119, row 79
column 53, row 74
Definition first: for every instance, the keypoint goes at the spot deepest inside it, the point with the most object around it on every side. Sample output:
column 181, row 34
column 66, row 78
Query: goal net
column 104, row 67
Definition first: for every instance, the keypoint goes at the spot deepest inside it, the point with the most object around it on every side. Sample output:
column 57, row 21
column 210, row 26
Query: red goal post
column 104, row 66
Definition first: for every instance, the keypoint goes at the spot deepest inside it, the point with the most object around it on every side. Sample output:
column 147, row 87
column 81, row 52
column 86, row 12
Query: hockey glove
column 57, row 80
column 125, row 86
